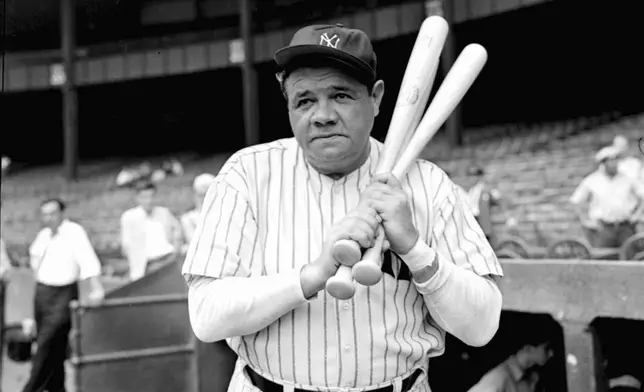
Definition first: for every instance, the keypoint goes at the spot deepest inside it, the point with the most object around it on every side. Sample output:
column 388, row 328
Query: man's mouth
column 327, row 136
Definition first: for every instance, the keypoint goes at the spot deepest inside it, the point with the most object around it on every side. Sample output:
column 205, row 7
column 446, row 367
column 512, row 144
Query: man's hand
column 359, row 225
column 386, row 195
column 96, row 296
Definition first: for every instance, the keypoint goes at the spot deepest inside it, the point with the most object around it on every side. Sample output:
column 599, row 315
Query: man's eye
column 342, row 96
column 303, row 102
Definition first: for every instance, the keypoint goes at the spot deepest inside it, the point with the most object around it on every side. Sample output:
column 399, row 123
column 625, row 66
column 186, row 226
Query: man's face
column 534, row 355
column 610, row 166
column 331, row 116
column 51, row 215
column 146, row 199
column 472, row 180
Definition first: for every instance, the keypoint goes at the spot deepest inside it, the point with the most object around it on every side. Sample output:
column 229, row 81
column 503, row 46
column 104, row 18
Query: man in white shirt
column 5, row 261
column 615, row 202
column 190, row 219
column 481, row 197
column 60, row 256
column 150, row 234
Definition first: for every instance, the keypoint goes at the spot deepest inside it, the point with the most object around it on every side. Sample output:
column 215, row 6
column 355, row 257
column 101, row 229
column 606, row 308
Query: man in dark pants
column 60, row 256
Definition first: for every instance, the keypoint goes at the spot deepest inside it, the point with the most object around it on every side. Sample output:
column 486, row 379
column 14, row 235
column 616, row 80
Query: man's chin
column 331, row 162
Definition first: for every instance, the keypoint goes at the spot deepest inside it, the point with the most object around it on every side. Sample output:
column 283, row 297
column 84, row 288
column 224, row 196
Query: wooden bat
column 460, row 78
column 410, row 104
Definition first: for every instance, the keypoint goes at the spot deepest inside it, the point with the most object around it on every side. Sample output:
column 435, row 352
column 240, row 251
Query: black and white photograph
column 322, row 196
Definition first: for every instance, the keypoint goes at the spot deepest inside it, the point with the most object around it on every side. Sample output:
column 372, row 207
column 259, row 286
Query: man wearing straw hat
column 262, row 252
column 614, row 202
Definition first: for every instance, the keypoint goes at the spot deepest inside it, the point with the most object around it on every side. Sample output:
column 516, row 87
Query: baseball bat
column 458, row 81
column 410, row 104
column 460, row 78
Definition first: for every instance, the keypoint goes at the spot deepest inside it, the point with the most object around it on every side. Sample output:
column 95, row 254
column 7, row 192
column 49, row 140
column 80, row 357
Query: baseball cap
column 607, row 153
column 348, row 48
column 202, row 182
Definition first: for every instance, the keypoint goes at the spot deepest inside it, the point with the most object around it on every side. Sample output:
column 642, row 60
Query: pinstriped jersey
column 268, row 212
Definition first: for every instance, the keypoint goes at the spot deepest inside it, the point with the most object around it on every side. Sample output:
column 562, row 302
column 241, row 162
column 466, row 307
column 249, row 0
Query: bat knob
column 347, row 252
column 366, row 273
column 341, row 286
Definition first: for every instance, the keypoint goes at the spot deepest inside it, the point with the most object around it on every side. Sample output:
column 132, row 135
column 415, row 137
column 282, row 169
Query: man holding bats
column 263, row 249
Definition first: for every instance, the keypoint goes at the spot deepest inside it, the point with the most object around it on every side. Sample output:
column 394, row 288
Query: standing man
column 5, row 261
column 150, row 234
column 189, row 220
column 262, row 253
column 60, row 256
column 615, row 202
column 481, row 197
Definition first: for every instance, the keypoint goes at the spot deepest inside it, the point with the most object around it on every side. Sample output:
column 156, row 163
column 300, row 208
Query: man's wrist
column 313, row 279
column 419, row 256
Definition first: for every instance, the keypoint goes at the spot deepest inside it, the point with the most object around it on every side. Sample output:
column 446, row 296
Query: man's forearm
column 465, row 304
column 233, row 306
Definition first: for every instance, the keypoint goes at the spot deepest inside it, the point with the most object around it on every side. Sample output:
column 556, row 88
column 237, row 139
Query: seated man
column 517, row 373
column 190, row 219
column 150, row 234
column 614, row 200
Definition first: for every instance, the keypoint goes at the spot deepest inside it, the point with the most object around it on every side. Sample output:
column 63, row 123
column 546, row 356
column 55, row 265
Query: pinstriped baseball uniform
column 268, row 213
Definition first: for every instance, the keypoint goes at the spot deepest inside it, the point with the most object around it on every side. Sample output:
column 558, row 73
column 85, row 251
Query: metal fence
column 139, row 339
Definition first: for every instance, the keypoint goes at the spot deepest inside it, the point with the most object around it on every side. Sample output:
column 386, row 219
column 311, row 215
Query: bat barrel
column 460, row 78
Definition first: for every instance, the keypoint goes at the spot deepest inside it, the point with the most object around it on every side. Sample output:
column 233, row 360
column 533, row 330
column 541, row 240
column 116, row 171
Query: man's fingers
column 388, row 179
column 379, row 188
column 370, row 216
column 362, row 233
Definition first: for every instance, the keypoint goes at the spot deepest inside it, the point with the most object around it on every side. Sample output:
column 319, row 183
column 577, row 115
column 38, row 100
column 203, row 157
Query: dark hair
column 60, row 203
column 144, row 186
column 322, row 62
column 475, row 171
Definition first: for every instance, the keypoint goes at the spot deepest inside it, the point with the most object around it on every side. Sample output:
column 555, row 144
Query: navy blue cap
column 347, row 47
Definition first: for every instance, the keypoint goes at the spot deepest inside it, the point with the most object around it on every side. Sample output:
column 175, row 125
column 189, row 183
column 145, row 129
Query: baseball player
column 262, row 251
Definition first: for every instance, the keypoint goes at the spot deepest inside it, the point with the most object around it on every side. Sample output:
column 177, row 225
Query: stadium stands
column 535, row 167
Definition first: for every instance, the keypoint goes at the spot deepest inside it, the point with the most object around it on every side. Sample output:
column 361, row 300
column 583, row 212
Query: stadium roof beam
column 70, row 114
column 454, row 124
column 249, row 74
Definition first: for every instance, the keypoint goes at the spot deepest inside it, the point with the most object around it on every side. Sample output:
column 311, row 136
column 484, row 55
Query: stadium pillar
column 445, row 8
column 68, row 22
column 249, row 74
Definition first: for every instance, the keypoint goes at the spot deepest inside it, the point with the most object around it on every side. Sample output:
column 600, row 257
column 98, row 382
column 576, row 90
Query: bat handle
column 347, row 252
column 341, row 285
column 368, row 270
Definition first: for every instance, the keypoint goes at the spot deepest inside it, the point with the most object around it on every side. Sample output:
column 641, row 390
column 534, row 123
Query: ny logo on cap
column 331, row 42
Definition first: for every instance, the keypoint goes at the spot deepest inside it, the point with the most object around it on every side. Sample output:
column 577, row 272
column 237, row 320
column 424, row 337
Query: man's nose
column 324, row 114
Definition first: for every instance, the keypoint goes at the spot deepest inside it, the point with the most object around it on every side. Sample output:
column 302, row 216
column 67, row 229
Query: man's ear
column 377, row 93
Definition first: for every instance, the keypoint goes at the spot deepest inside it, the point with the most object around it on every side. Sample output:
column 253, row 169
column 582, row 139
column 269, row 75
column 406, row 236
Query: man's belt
column 269, row 386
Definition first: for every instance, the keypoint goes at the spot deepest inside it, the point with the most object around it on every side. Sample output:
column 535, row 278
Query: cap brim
column 302, row 53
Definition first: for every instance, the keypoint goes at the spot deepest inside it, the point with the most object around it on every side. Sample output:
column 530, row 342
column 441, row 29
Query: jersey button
column 346, row 306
